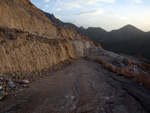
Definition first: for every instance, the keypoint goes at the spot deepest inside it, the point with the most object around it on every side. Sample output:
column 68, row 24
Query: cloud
column 107, row 22
column 67, row 5
column 138, row 1
column 94, row 1
column 56, row 9
column 135, row 2
column 94, row 11
column 46, row 0
column 46, row 6
column 72, row 4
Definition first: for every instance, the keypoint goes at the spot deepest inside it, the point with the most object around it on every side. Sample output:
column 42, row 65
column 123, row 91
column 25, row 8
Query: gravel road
column 83, row 87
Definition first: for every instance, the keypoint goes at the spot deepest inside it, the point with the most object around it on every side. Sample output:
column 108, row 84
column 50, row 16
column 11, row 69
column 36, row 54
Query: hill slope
column 128, row 40
column 29, row 41
column 25, row 16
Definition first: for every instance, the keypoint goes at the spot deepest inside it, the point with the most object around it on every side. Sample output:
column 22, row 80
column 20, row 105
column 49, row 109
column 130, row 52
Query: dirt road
column 83, row 87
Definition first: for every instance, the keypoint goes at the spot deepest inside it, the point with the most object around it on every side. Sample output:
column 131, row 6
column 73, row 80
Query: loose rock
column 26, row 86
column 1, row 88
column 11, row 84
column 2, row 95
column 25, row 82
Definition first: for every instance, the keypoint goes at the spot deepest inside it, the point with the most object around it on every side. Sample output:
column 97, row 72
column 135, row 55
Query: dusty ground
column 82, row 87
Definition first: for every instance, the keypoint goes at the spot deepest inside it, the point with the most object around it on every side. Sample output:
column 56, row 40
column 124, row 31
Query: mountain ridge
column 127, row 39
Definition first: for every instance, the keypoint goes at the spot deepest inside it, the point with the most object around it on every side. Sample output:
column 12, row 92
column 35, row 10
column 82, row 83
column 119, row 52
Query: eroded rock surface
column 24, row 51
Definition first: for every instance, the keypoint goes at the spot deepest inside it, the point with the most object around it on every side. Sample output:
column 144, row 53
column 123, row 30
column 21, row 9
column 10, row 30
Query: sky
column 107, row 14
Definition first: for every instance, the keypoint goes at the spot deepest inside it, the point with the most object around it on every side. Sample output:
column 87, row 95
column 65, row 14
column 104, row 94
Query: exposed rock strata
column 24, row 51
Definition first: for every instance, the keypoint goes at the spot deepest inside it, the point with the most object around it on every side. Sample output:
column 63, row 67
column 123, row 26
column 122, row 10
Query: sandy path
column 83, row 87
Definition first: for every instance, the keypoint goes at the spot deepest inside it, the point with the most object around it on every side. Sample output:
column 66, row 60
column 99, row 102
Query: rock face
column 27, row 52
column 29, row 41
column 25, row 16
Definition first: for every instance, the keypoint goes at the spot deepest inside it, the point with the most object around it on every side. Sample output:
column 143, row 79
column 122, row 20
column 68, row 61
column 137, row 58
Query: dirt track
column 83, row 87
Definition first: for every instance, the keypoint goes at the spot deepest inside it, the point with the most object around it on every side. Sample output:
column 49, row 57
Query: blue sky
column 107, row 14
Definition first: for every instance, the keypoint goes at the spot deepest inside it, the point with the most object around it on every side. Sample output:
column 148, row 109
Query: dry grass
column 97, row 44
column 140, row 77
column 129, row 62
column 99, row 60
column 145, row 66
column 143, row 78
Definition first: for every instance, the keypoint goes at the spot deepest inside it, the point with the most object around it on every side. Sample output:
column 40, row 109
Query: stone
column 140, row 84
column 135, row 70
column 1, row 78
column 25, row 81
column 26, row 86
column 11, row 84
column 72, row 97
column 1, row 88
column 2, row 95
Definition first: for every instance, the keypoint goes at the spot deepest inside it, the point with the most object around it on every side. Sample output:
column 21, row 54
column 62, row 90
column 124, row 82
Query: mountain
column 93, row 33
column 50, row 68
column 127, row 40
column 53, row 19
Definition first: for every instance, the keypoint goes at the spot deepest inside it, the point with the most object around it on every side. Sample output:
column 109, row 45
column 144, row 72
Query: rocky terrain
column 49, row 68
column 83, row 86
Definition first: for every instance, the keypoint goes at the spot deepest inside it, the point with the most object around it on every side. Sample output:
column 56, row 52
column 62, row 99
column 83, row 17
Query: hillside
column 50, row 68
column 127, row 40
column 31, row 33
column 25, row 16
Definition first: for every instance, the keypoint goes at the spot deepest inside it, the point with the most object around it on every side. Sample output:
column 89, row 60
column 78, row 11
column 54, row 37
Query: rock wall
column 22, row 51
column 22, row 14
column 29, row 41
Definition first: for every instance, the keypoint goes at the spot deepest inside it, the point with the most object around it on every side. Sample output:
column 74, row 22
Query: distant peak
column 52, row 15
column 82, row 27
column 130, row 27
column 96, row 28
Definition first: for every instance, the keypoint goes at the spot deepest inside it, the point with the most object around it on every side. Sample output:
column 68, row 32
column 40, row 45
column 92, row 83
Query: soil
column 82, row 87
